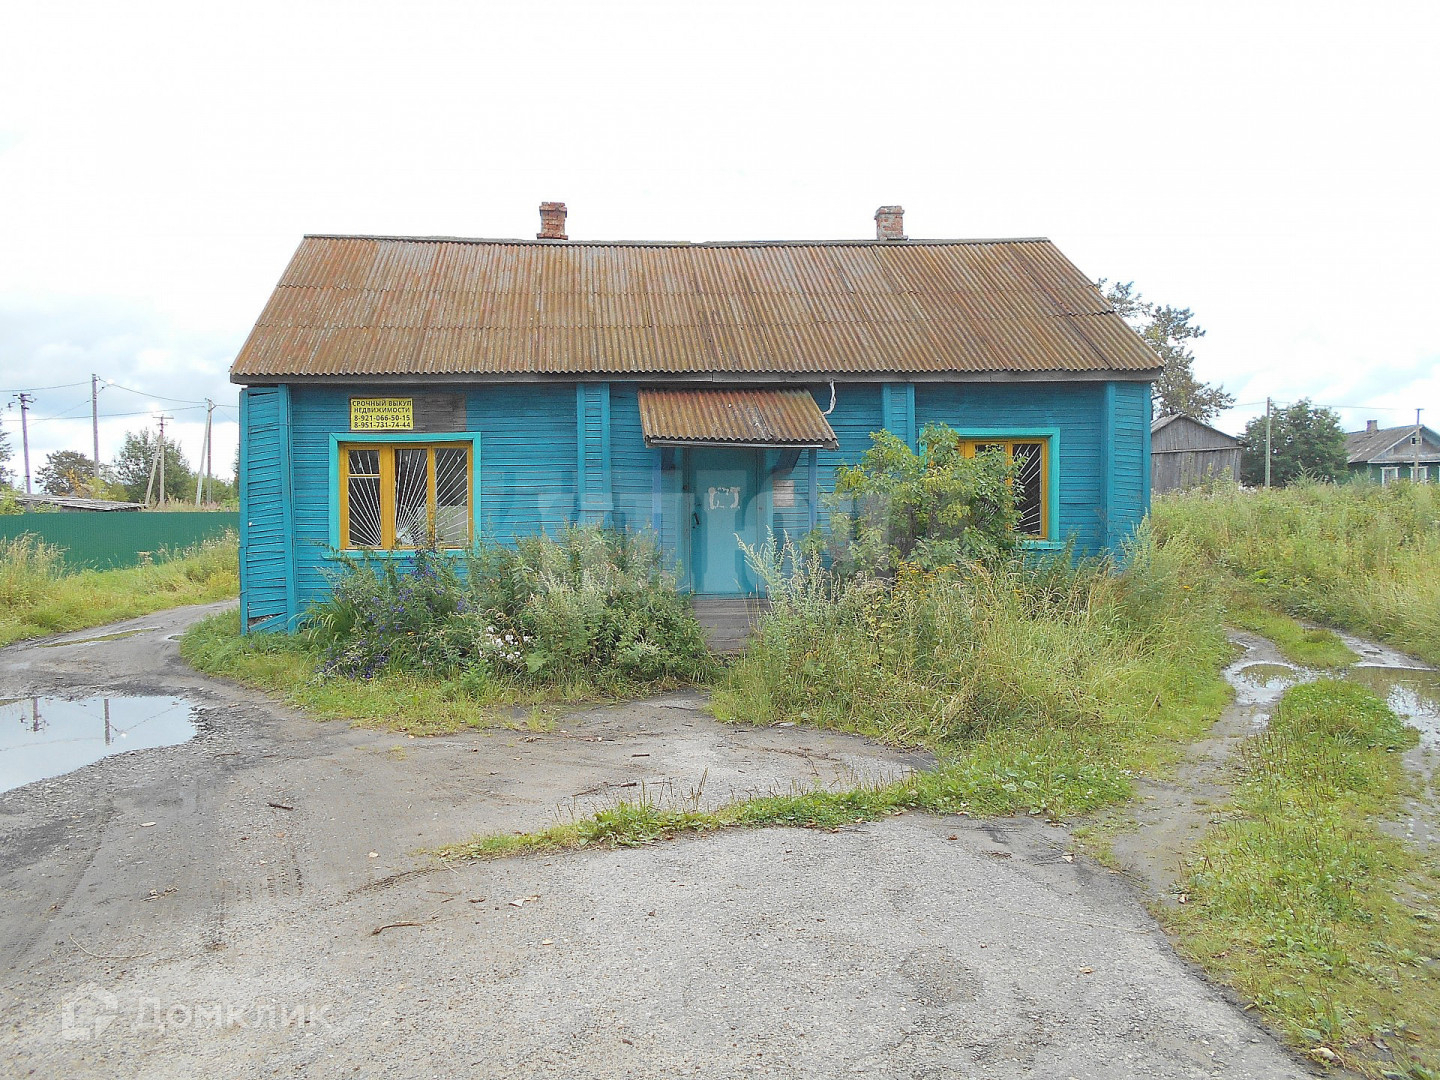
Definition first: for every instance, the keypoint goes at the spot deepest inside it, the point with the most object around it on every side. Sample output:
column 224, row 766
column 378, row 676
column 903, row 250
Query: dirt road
column 215, row 908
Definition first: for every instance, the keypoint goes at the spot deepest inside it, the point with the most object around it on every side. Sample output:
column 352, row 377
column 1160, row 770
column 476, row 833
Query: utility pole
column 1267, row 442
column 161, row 499
column 209, row 452
column 25, row 402
column 95, row 429
column 203, row 475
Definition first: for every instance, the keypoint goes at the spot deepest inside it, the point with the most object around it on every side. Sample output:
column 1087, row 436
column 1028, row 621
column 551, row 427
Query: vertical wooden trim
column 340, row 472
column 581, row 486
column 1145, row 466
column 387, row 497
column 603, row 389
column 244, row 481
column 287, row 502
column 432, row 522
column 814, row 486
column 657, row 492
column 1107, row 466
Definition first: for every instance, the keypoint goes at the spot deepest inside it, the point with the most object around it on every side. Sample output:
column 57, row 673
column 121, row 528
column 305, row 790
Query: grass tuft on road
column 40, row 596
column 1305, row 905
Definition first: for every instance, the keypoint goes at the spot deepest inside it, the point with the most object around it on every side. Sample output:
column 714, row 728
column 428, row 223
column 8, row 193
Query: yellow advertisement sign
column 382, row 414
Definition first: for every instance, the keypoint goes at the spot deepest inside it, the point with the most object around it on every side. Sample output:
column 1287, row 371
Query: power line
column 157, row 397
column 36, row 389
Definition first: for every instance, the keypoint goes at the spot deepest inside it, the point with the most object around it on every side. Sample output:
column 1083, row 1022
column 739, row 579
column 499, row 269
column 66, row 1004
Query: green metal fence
column 113, row 539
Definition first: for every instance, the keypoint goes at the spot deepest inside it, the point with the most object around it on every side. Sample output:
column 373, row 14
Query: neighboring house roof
column 1218, row 439
column 786, row 418
column 358, row 307
column 1390, row 445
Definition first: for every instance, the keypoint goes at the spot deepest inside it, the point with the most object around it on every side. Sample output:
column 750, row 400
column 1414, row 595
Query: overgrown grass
column 1309, row 646
column 1303, row 904
column 289, row 666
column 1041, row 689
column 460, row 641
column 1361, row 557
column 40, row 596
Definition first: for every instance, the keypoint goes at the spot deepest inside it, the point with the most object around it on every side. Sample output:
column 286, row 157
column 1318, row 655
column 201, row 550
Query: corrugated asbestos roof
column 363, row 306
column 737, row 417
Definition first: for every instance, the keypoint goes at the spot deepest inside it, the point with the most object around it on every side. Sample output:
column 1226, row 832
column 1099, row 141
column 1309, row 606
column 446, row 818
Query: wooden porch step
column 728, row 621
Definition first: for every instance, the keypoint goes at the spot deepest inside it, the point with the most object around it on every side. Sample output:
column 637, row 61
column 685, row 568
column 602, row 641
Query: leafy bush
column 593, row 604
column 933, row 509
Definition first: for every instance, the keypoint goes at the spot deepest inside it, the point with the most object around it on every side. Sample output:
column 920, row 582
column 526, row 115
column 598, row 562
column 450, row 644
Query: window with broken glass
column 405, row 495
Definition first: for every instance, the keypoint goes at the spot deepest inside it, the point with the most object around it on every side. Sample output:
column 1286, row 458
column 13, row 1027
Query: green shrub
column 932, row 509
column 592, row 604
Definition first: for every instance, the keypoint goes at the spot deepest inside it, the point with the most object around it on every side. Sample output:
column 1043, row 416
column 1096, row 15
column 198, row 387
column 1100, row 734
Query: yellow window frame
column 970, row 446
column 387, row 453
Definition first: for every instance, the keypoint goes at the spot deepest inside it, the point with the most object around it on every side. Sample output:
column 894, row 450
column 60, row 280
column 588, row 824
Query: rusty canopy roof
column 353, row 306
column 734, row 418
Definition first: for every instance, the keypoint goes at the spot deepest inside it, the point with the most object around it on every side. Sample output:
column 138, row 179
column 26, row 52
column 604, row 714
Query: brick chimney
column 890, row 223
column 552, row 221
column 1372, row 426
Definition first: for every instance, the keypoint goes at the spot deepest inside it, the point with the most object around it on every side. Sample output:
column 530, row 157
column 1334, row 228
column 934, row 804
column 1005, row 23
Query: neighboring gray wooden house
column 1184, row 452
column 1389, row 454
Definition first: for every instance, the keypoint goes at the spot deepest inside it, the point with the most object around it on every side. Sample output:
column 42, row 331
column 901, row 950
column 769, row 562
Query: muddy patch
column 1169, row 816
column 42, row 737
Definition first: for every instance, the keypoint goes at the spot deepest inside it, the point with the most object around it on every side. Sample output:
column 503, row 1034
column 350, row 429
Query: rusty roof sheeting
column 377, row 306
column 734, row 417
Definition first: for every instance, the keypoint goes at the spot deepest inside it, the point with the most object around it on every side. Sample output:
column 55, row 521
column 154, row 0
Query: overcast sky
column 1271, row 165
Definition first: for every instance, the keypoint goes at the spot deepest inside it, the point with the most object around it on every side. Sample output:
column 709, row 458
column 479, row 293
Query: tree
column 4, row 459
column 137, row 456
column 1166, row 329
column 1305, row 441
column 936, row 508
column 66, row 472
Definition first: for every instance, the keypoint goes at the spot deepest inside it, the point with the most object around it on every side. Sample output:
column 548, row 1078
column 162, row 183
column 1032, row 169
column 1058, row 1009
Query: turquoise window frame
column 395, row 438
column 1051, row 435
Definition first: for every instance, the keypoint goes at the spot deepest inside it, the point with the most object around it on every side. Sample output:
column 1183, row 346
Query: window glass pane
column 364, row 462
column 364, row 494
column 412, row 495
column 452, row 497
column 1029, row 481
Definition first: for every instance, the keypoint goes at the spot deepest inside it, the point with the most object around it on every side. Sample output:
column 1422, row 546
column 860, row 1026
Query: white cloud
column 1268, row 164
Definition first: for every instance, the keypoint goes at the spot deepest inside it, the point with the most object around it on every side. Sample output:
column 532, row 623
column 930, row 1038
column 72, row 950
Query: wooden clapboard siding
column 1073, row 411
column 267, row 572
column 549, row 454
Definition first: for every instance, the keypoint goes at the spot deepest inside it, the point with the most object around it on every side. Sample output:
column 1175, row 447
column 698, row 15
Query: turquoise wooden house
column 400, row 391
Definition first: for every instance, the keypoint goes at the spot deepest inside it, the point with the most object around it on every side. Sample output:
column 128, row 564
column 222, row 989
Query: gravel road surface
column 256, row 902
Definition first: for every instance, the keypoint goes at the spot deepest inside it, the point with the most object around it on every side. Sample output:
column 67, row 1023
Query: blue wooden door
column 726, row 504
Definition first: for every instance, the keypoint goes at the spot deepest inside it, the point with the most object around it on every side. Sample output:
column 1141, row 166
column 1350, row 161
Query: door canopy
column 781, row 418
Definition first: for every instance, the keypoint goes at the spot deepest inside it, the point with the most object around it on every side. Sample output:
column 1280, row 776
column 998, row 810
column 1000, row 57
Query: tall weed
column 1005, row 663
column 39, row 595
column 1362, row 557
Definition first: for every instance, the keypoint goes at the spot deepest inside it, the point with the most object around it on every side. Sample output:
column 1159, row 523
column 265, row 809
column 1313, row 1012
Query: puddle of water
column 1413, row 693
column 42, row 737
column 103, row 637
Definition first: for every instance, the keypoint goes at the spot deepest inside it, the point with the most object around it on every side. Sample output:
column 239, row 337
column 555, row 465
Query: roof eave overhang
column 834, row 445
column 733, row 378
